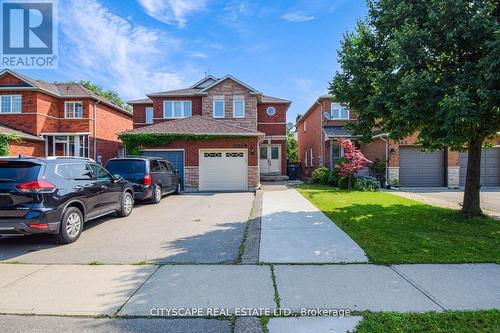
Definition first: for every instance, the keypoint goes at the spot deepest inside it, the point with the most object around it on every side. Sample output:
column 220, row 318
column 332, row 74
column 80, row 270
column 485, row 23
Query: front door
column 270, row 159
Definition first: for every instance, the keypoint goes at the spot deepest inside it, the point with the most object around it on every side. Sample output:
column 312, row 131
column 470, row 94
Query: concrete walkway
column 295, row 231
column 221, row 290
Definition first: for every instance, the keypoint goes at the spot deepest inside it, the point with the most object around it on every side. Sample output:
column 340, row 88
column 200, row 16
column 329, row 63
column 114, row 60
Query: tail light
column 38, row 186
column 147, row 179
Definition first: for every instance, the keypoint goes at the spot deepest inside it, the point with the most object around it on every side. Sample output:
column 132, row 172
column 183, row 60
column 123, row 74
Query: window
column 77, row 171
column 339, row 111
column 73, row 110
column 219, row 107
column 305, row 126
column 154, row 166
column 238, row 106
column 177, row 109
column 10, row 104
column 149, row 115
column 164, row 166
column 312, row 161
column 271, row 111
column 100, row 173
column 305, row 158
column 336, row 152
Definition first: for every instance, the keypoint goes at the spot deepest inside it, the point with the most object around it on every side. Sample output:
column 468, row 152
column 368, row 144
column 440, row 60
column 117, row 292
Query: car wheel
column 127, row 205
column 178, row 190
column 71, row 226
column 157, row 193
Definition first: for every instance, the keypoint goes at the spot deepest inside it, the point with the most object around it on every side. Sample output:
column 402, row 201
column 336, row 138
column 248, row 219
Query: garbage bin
column 293, row 172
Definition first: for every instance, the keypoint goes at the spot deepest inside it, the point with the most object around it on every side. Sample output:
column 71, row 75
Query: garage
column 174, row 156
column 223, row 170
column 490, row 167
column 417, row 168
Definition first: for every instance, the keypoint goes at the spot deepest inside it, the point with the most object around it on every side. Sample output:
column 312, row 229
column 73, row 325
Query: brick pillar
column 453, row 168
column 393, row 168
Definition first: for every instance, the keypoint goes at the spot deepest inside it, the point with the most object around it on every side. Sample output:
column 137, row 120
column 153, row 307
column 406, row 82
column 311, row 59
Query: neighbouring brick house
column 55, row 119
column 229, row 134
column 324, row 122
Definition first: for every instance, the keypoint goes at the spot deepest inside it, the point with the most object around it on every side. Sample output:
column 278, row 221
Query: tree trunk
column 471, row 205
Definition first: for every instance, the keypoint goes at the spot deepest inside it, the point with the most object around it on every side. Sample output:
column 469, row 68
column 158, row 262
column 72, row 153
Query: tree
column 291, row 147
column 297, row 118
column 430, row 67
column 110, row 95
column 352, row 160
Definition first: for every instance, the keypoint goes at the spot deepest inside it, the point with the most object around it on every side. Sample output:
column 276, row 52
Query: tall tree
column 291, row 147
column 430, row 67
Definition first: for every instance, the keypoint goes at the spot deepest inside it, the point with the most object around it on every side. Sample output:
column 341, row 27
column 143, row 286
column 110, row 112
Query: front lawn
column 393, row 230
column 457, row 322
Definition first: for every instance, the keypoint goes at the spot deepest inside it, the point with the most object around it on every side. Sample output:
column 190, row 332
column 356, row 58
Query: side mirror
column 176, row 170
column 117, row 178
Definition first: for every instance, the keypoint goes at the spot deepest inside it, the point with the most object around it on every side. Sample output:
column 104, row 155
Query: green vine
column 5, row 139
column 136, row 142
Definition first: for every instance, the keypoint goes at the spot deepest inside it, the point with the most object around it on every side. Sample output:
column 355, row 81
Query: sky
column 283, row 48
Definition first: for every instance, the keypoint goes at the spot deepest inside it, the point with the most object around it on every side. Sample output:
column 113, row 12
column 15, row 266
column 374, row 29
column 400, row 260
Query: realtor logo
column 29, row 33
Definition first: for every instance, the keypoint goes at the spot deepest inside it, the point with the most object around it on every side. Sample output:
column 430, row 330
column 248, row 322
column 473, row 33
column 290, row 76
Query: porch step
column 273, row 178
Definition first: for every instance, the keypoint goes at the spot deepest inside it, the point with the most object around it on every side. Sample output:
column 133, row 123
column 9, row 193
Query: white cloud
column 297, row 17
column 172, row 11
column 108, row 49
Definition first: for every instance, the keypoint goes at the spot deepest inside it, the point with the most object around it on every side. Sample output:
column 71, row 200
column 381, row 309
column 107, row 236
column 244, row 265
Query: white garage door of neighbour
column 223, row 170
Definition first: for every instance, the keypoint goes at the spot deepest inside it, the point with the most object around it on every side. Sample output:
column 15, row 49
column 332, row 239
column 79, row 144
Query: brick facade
column 27, row 148
column 43, row 113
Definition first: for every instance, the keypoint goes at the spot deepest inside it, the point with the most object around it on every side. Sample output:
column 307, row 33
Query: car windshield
column 17, row 171
column 126, row 167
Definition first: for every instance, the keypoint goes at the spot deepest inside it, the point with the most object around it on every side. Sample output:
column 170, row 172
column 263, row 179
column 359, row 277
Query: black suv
column 152, row 177
column 57, row 195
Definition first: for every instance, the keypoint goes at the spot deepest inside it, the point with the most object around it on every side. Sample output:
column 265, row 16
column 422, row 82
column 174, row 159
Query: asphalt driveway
column 490, row 196
column 190, row 228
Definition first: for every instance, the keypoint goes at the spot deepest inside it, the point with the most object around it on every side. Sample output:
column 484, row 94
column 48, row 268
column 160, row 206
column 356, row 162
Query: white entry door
column 270, row 159
column 223, row 170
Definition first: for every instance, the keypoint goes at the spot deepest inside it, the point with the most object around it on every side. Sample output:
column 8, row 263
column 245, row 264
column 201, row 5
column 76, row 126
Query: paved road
column 295, row 231
column 452, row 198
column 190, row 228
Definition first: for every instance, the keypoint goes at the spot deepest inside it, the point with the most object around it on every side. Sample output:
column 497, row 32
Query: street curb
column 252, row 241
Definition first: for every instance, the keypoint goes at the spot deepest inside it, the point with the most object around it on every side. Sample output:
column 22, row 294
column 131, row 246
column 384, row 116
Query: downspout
column 95, row 130
column 386, row 182
column 258, row 157
column 321, row 143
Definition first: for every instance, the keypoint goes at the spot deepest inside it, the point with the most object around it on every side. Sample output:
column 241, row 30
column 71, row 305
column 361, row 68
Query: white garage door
column 223, row 170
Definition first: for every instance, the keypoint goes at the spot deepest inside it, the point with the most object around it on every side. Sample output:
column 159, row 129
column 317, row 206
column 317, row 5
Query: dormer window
column 340, row 111
column 177, row 109
column 73, row 110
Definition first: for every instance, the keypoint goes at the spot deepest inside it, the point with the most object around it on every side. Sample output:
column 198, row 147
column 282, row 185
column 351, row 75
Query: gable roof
column 60, row 90
column 140, row 101
column 229, row 77
column 311, row 108
column 197, row 125
column 204, row 82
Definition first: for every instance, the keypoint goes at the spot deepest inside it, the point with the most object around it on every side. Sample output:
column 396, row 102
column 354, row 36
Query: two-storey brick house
column 56, row 119
column 233, row 133
column 324, row 122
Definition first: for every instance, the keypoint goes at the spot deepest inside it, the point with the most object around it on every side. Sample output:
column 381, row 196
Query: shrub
column 333, row 178
column 344, row 182
column 320, row 176
column 377, row 168
column 370, row 184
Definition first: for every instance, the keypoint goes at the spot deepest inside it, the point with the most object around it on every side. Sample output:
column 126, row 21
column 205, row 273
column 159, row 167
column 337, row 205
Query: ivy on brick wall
column 5, row 139
column 136, row 142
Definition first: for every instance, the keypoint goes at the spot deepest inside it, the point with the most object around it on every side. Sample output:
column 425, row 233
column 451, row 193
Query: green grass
column 431, row 322
column 392, row 229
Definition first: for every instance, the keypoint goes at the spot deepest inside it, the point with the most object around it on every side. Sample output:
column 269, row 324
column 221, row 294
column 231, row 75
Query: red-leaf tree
column 353, row 160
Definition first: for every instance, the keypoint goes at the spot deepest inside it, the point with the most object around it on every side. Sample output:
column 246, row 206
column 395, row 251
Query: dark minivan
column 57, row 195
column 152, row 177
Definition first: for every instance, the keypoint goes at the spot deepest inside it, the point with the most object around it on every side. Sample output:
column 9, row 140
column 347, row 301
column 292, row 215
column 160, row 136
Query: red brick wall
column 109, row 123
column 158, row 105
column 272, row 125
column 27, row 148
column 311, row 138
column 9, row 79
column 140, row 114
column 375, row 150
column 27, row 121
column 191, row 148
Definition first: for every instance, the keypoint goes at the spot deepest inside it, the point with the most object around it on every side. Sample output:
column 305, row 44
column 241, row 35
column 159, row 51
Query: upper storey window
column 148, row 115
column 73, row 110
column 219, row 107
column 10, row 104
column 340, row 111
column 177, row 109
column 239, row 106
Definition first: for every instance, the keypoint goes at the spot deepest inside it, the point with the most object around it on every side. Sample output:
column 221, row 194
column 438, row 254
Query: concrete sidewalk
column 128, row 290
column 295, row 231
